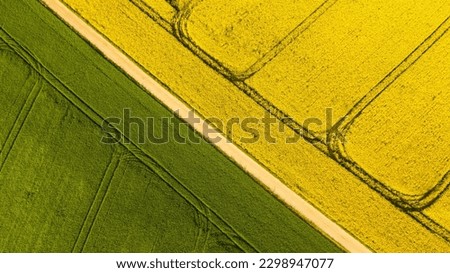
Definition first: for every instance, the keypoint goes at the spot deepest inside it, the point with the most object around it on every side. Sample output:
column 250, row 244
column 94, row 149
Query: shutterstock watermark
column 161, row 130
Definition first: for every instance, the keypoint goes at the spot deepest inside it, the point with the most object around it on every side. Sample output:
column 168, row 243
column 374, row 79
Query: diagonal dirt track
column 301, row 206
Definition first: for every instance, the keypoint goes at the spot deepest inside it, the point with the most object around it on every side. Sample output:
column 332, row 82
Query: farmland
column 241, row 37
column 335, row 65
column 355, row 73
column 64, row 190
column 393, row 128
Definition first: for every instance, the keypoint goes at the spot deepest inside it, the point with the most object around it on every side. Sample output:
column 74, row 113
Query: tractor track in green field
column 98, row 201
column 18, row 123
column 27, row 105
column 191, row 198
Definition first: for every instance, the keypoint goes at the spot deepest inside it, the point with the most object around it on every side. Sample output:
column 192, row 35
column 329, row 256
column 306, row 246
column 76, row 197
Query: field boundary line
column 277, row 188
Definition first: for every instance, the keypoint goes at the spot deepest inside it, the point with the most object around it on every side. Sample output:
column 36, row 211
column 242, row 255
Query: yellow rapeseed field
column 161, row 7
column 346, row 52
column 242, row 34
column 402, row 137
column 241, row 59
